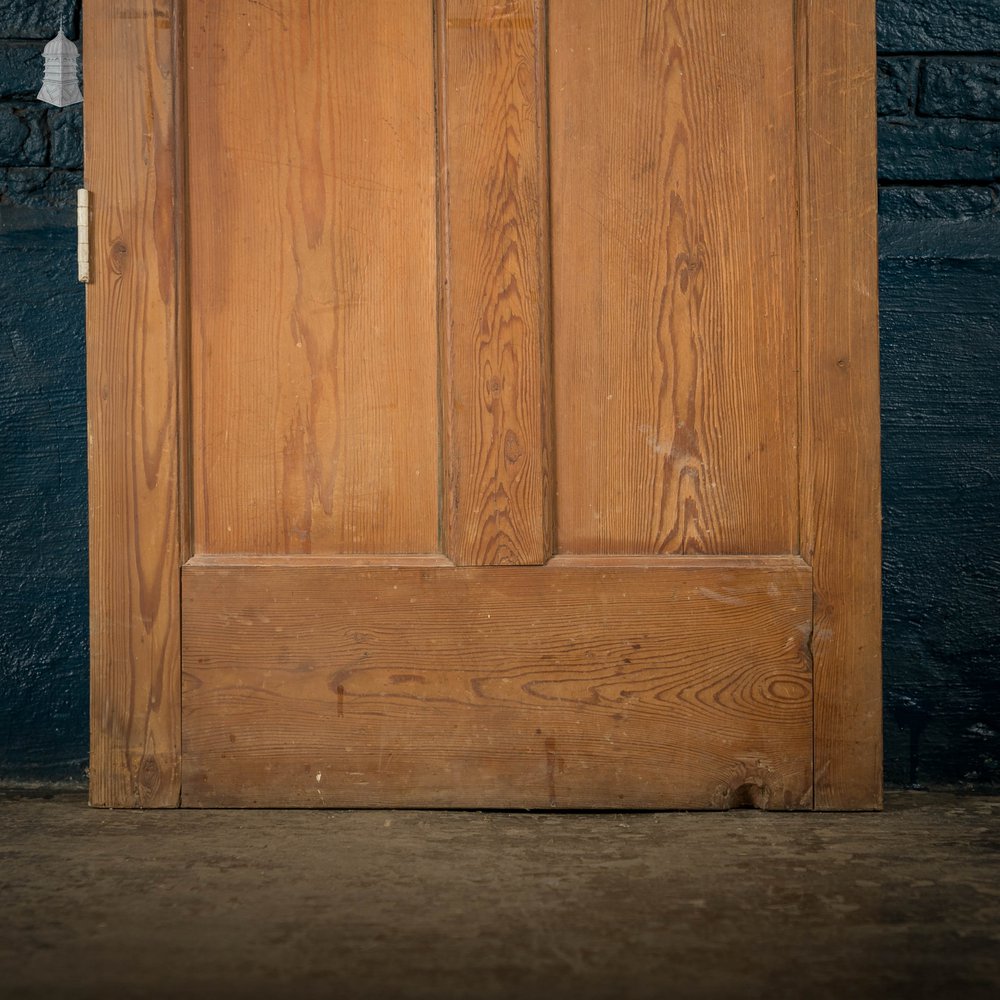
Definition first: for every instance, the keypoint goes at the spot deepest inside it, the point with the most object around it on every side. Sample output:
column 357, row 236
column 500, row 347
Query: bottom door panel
column 585, row 683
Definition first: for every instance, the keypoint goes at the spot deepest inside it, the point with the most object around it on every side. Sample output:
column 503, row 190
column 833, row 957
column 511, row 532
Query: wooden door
column 483, row 403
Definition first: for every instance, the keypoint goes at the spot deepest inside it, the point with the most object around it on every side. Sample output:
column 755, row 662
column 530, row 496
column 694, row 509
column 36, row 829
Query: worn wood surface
column 675, row 269
column 840, row 409
column 683, row 685
column 713, row 372
column 495, row 261
column 313, row 276
column 132, row 388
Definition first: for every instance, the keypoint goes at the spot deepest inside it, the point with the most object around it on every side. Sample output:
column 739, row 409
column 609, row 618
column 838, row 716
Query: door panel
column 618, row 683
column 495, row 277
column 313, row 279
column 675, row 279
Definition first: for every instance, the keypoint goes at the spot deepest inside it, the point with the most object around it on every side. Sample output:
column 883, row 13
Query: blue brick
column 896, row 86
column 948, row 202
column 939, row 150
column 20, row 69
column 38, row 187
column 38, row 18
column 961, row 88
column 23, row 141
column 938, row 25
column 66, row 131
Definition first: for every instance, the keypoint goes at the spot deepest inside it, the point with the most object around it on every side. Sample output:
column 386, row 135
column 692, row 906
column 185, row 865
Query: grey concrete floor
column 484, row 905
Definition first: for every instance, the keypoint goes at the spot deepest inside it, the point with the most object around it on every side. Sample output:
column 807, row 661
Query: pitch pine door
column 483, row 403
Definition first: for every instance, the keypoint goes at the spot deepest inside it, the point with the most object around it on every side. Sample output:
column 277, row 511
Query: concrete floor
column 439, row 904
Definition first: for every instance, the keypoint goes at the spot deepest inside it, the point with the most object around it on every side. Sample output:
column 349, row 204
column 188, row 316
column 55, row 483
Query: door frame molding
column 137, row 386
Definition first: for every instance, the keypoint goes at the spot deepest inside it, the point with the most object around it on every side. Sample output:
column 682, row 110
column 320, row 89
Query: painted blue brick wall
column 43, row 502
column 939, row 166
column 43, row 499
column 939, row 138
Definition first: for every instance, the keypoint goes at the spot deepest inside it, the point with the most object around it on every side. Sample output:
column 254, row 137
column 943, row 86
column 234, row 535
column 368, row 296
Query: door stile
column 839, row 459
column 132, row 402
column 496, row 343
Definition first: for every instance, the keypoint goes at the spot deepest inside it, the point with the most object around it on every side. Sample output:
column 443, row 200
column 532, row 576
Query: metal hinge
column 83, row 234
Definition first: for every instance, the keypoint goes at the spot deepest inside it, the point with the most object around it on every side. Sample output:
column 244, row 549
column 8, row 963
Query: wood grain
column 323, row 635
column 675, row 275
column 312, row 179
column 132, row 389
column 496, row 344
column 840, row 410
column 535, row 687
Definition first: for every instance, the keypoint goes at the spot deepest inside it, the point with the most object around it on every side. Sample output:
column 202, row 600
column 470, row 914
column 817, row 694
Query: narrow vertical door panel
column 311, row 154
column 674, row 275
column 496, row 345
